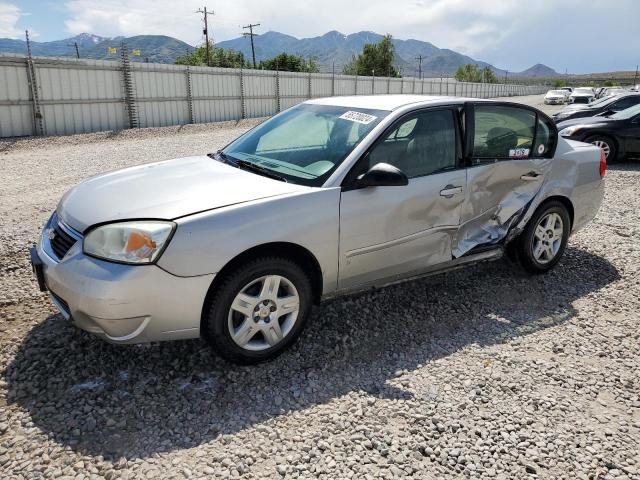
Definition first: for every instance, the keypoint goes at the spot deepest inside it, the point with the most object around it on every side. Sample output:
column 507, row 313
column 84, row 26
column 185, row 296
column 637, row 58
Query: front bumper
column 121, row 303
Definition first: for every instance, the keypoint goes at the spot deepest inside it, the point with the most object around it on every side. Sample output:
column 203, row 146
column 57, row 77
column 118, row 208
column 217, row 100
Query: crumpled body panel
column 497, row 198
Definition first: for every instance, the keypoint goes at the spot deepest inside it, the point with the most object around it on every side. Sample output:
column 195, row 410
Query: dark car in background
column 618, row 135
column 604, row 106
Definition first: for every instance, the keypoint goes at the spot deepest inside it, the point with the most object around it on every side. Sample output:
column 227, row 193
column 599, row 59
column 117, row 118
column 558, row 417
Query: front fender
column 205, row 242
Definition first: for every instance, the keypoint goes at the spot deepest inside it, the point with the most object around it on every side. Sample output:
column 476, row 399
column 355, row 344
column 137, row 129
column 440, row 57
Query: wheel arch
column 614, row 139
column 566, row 201
column 292, row 251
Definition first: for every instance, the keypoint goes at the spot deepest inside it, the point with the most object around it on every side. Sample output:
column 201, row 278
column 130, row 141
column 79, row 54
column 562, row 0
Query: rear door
column 389, row 232
column 509, row 150
column 631, row 135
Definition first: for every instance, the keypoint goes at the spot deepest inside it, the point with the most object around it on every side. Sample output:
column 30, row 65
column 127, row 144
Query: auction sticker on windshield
column 358, row 117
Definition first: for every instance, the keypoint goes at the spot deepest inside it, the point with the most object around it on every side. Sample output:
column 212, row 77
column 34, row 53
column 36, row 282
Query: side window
column 546, row 138
column 420, row 145
column 503, row 132
column 625, row 103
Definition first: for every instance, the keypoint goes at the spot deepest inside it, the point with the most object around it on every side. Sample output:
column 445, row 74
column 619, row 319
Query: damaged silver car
column 330, row 196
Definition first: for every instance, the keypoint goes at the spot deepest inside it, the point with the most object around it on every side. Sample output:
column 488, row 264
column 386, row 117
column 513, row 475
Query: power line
column 206, row 31
column 251, row 35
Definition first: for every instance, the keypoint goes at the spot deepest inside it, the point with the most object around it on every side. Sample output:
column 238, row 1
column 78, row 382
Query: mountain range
column 328, row 50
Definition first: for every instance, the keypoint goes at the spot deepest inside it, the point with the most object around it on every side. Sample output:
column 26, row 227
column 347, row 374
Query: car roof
column 386, row 102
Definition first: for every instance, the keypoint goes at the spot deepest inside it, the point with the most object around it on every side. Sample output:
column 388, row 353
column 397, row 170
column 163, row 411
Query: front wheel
column 544, row 239
column 258, row 310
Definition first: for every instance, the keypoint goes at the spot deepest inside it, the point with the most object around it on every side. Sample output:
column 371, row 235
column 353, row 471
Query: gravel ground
column 481, row 373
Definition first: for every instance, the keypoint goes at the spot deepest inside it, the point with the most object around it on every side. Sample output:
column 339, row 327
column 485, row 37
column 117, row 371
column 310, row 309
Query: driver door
column 387, row 233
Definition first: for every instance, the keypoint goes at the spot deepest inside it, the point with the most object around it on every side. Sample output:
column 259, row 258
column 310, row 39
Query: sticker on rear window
column 519, row 152
column 358, row 117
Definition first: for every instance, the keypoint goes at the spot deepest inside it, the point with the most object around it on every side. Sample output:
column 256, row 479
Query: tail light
column 603, row 163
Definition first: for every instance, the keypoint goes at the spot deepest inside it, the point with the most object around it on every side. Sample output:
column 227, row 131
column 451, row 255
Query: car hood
column 165, row 190
column 582, row 121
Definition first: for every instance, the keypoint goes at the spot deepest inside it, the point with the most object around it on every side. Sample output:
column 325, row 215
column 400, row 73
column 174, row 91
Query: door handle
column 530, row 177
column 450, row 190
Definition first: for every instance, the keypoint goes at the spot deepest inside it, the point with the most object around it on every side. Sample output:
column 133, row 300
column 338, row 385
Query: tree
column 218, row 57
column 375, row 59
column 289, row 63
column 472, row 73
column 608, row 83
column 559, row 83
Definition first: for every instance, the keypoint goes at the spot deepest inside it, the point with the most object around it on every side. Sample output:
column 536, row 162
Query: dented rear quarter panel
column 574, row 174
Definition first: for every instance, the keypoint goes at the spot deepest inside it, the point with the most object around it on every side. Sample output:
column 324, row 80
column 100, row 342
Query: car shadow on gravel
column 135, row 401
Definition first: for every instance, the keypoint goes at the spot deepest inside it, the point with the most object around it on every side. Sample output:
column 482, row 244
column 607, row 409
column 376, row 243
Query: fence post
column 333, row 80
column 309, row 85
column 129, row 87
column 242, row 106
column 402, row 85
column 355, row 92
column 187, row 73
column 373, row 84
column 278, row 101
column 38, row 122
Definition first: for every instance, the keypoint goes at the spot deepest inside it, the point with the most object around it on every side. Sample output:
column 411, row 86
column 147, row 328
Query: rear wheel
column 544, row 239
column 258, row 310
column 607, row 145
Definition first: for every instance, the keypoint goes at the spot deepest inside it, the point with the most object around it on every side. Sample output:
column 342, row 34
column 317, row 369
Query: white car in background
column 582, row 95
column 556, row 97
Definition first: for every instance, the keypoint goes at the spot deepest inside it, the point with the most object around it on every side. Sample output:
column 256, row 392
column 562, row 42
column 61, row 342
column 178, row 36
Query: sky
column 578, row 36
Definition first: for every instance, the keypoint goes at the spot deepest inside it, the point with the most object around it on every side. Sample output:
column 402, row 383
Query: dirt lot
column 481, row 373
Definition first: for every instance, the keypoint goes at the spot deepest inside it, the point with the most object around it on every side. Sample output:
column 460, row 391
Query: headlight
column 569, row 131
column 139, row 242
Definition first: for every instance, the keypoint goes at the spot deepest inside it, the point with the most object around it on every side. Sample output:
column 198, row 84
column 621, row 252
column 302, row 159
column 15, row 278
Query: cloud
column 510, row 33
column 9, row 16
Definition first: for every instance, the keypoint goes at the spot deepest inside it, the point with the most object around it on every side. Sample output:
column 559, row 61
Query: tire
column 534, row 255
column 607, row 144
column 264, row 323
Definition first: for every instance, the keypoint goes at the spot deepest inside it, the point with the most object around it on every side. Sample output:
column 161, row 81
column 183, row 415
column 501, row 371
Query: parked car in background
column 618, row 135
column 613, row 91
column 582, row 95
column 604, row 106
column 331, row 196
column 556, row 97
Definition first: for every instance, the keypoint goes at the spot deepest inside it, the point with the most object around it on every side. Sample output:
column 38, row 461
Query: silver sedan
column 328, row 197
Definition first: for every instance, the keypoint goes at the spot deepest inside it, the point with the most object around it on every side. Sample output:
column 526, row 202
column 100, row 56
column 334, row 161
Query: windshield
column 555, row 92
column 628, row 113
column 587, row 91
column 306, row 143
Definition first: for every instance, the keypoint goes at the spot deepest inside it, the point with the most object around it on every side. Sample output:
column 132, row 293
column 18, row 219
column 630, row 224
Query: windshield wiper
column 252, row 167
column 223, row 157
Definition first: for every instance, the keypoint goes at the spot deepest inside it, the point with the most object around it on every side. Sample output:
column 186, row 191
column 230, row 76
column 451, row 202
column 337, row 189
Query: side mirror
column 382, row 175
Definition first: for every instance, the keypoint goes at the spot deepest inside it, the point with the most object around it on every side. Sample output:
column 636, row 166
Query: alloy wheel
column 263, row 312
column 606, row 148
column 547, row 238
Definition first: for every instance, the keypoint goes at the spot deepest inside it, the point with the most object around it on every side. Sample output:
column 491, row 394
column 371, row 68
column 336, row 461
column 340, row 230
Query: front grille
column 61, row 242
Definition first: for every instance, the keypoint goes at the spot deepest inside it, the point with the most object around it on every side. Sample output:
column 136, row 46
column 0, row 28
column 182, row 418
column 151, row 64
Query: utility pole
column 506, row 74
column 419, row 58
column 75, row 44
column 206, row 32
column 251, row 35
column 635, row 77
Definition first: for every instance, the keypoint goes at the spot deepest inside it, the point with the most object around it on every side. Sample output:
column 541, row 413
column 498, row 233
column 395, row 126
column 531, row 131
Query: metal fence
column 55, row 96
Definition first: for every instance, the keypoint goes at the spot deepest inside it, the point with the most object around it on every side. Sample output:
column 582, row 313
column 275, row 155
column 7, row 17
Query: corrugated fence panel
column 80, row 96
column 259, row 93
column 16, row 111
column 88, row 95
column 216, row 94
column 161, row 94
